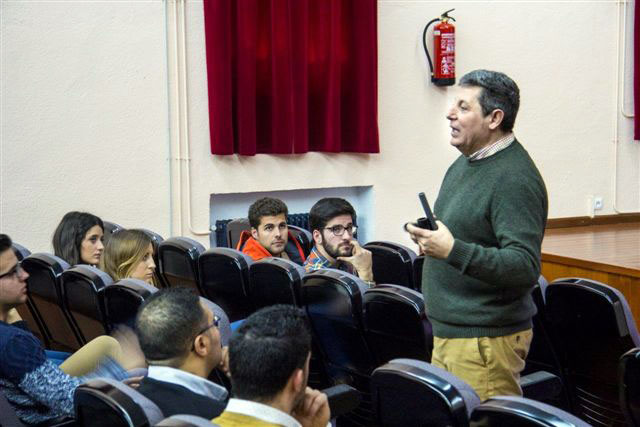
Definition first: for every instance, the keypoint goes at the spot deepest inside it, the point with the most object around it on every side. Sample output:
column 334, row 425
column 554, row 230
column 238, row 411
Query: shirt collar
column 193, row 382
column 262, row 412
column 492, row 149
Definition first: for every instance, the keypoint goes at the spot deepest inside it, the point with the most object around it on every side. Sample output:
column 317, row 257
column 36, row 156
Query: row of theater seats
column 579, row 333
column 584, row 333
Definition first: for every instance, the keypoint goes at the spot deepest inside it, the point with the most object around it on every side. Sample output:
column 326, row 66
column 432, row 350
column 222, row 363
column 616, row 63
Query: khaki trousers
column 87, row 358
column 491, row 366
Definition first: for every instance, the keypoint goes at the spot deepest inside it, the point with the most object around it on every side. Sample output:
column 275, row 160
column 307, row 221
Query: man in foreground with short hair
column 332, row 222
column 37, row 388
column 269, row 235
column 269, row 367
column 180, row 339
column 484, row 258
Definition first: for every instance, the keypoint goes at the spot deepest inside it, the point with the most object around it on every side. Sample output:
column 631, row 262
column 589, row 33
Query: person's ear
column 201, row 345
column 495, row 119
column 254, row 233
column 317, row 237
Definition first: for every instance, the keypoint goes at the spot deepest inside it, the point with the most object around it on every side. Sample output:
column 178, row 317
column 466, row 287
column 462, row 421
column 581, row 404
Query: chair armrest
column 541, row 385
column 342, row 399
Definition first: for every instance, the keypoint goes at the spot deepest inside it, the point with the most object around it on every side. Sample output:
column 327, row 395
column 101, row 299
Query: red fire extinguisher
column 443, row 68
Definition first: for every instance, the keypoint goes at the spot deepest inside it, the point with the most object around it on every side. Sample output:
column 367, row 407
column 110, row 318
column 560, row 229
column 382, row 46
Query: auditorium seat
column 396, row 325
column 27, row 311
column 235, row 227
column 542, row 352
column 392, row 263
column 332, row 300
column 521, row 412
column 185, row 421
column 122, row 300
column 274, row 281
column 103, row 402
column 629, row 386
column 156, row 239
column 80, row 286
column 304, row 237
column 224, row 326
column 45, row 293
column 592, row 325
column 417, row 272
column 20, row 251
column 409, row 392
column 109, row 229
column 224, row 278
column 178, row 262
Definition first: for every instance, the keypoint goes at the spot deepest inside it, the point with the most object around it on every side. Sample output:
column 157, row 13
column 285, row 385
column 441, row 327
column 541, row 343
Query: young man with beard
column 269, row 367
column 332, row 222
column 269, row 235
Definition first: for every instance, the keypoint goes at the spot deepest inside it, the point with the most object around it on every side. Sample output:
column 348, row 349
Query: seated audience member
column 36, row 387
column 269, row 366
column 270, row 236
column 78, row 238
column 129, row 254
column 332, row 223
column 180, row 339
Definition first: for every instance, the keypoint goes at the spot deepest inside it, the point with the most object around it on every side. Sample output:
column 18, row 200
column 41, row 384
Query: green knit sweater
column 496, row 209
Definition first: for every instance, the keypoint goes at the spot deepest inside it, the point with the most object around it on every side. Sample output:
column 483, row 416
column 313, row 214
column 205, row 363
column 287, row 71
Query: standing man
column 332, row 222
column 484, row 259
column 269, row 236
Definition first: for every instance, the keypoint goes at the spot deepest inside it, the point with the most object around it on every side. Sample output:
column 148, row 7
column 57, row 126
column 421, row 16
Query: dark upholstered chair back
column 629, row 386
column 178, row 262
column 104, row 402
column 235, row 227
column 304, row 237
column 396, row 325
column 45, row 293
column 592, row 327
column 122, row 301
column 80, row 286
column 417, row 272
column 521, row 412
column 224, row 278
column 110, row 228
column 274, row 281
column 332, row 300
column 392, row 263
column 409, row 392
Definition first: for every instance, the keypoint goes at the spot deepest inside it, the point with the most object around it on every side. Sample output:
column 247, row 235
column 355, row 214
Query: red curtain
column 636, row 72
column 291, row 76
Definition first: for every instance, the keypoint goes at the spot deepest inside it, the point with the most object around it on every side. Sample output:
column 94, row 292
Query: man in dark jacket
column 180, row 339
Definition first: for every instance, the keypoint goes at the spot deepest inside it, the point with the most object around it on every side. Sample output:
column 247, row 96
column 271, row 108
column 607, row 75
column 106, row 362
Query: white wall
column 84, row 113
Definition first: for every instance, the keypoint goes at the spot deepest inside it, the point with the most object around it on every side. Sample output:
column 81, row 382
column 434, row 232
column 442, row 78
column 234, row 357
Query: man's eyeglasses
column 216, row 323
column 338, row 230
column 17, row 269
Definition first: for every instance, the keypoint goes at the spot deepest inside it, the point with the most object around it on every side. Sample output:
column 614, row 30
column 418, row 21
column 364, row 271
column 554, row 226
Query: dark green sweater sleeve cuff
column 460, row 255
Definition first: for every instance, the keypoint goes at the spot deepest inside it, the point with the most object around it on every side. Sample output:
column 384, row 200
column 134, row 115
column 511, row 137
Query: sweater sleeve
column 518, row 216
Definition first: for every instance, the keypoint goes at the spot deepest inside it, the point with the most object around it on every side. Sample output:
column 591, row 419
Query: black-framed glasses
column 216, row 323
column 17, row 269
column 338, row 230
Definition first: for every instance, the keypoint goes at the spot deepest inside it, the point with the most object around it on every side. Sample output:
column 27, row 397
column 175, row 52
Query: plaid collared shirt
column 316, row 261
column 492, row 149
